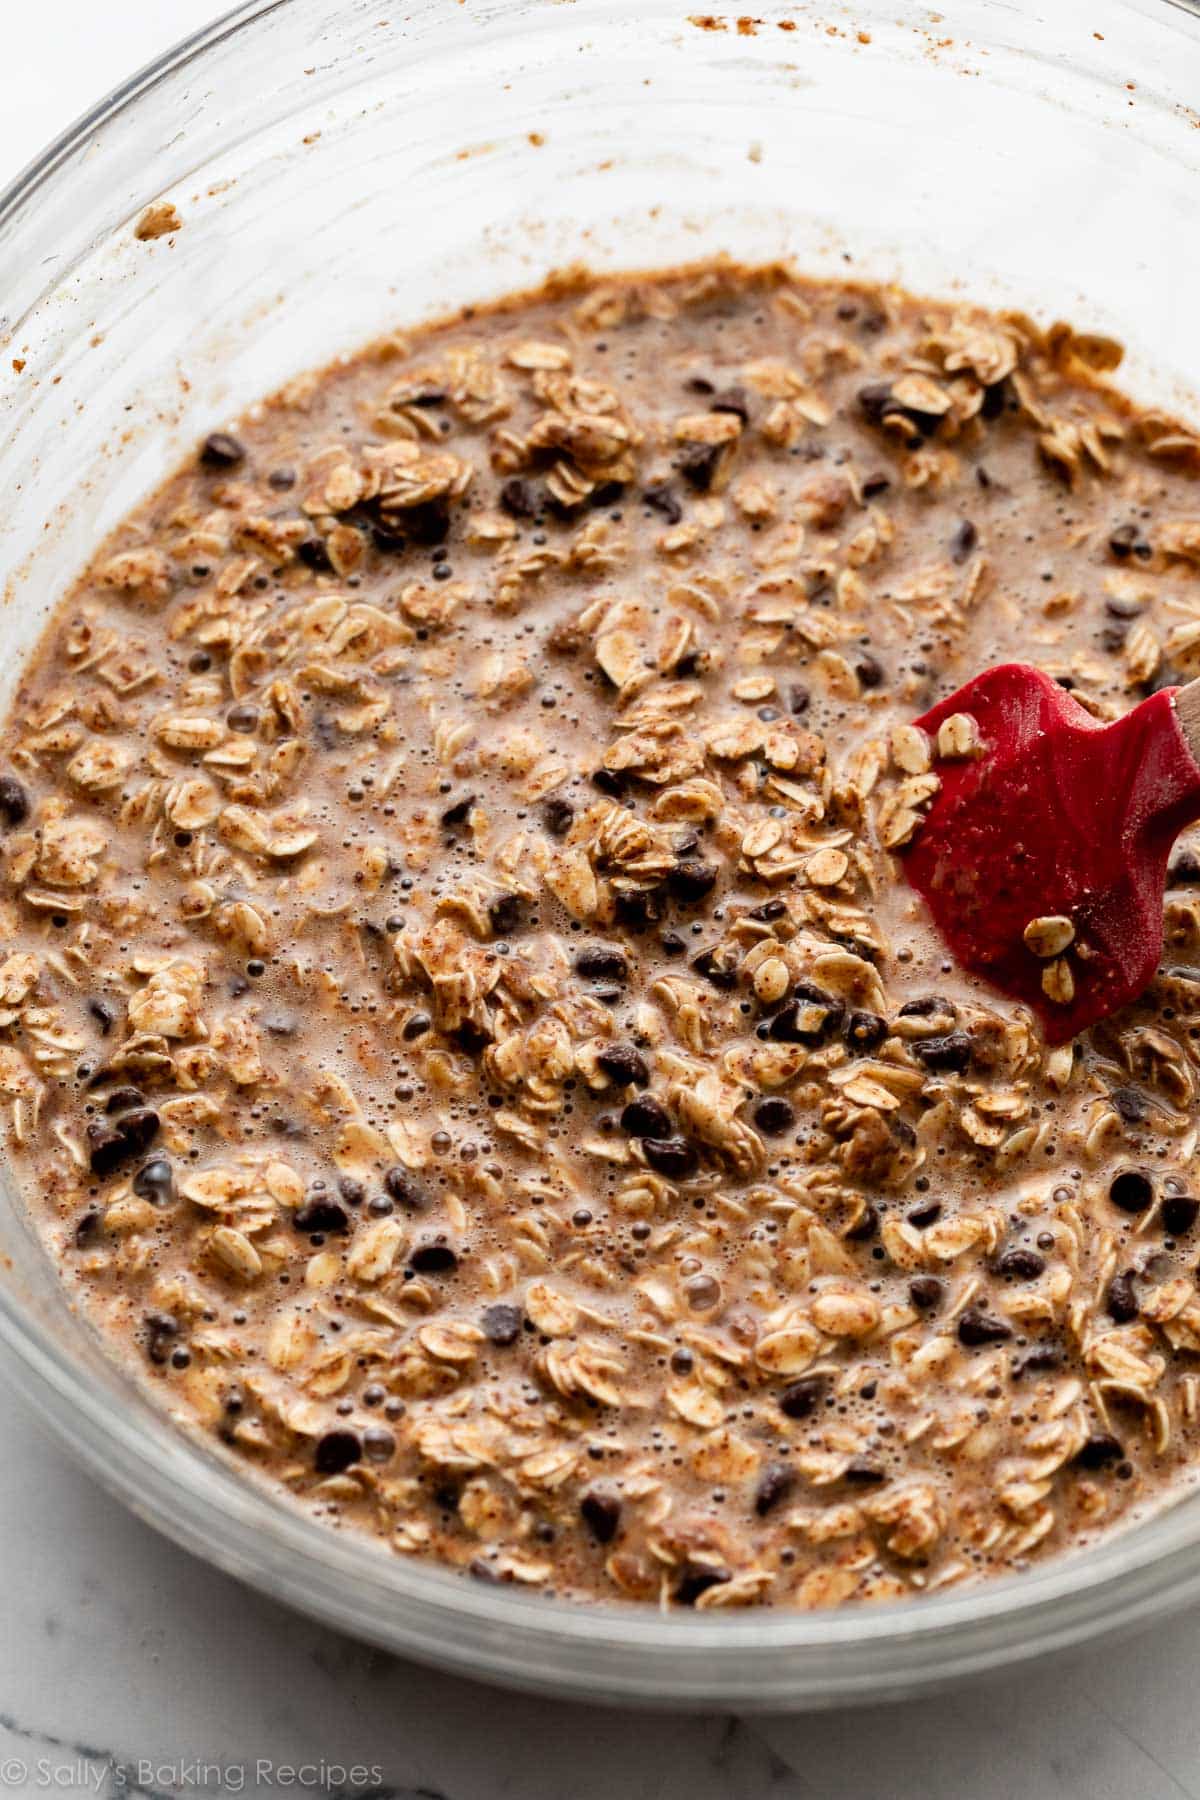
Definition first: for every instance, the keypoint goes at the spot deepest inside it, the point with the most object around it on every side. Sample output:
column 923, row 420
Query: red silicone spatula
column 1043, row 855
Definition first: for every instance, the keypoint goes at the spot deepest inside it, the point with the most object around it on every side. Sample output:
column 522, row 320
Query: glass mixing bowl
column 339, row 172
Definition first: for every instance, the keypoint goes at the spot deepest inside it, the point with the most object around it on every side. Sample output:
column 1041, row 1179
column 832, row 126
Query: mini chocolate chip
column 809, row 1016
column 161, row 1332
column 352, row 1190
column 221, row 451
column 925, row 1214
column 501, row 1324
column 963, row 541
column 774, row 1115
column 874, row 485
column 878, row 406
column 691, row 880
column 1121, row 1301
column 776, row 1484
column 111, row 1145
column 695, row 1582
column 471, row 1036
column 698, row 465
column 624, row 1065
column 715, row 968
column 864, row 1474
column 732, row 400
column 416, row 1026
column 869, row 669
column 1022, row 1265
column 557, row 816
column 638, row 910
column 103, row 1014
column 601, row 1513
column 458, row 812
column 155, row 1181
column 609, row 781
column 646, row 1117
column 336, row 1452
column 321, row 1215
column 768, row 912
column 314, row 555
column 975, row 1327
column 404, row 1189
column 506, row 913
column 1098, row 1451
column 482, row 1570
column 430, row 523
column 87, row 1227
column 864, row 1227
column 521, row 499
column 801, row 1398
column 950, row 1054
column 1131, row 1191
column 928, row 1006
column 1179, row 1213
column 281, row 480
column 925, row 1292
column 1123, row 541
column 1038, row 1362
column 865, row 1030
column 14, row 801
column 601, row 962
column 874, row 401
column 661, row 497
column 433, row 1259
column 121, row 1099
column 670, row 1156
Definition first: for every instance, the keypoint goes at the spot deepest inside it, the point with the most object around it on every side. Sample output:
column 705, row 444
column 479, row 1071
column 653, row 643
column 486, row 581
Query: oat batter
column 463, row 1030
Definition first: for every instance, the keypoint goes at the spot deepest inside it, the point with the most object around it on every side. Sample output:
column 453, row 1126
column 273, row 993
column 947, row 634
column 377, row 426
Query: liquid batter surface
column 464, row 1031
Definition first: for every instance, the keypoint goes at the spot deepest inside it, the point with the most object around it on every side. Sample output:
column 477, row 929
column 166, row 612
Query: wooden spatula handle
column 1187, row 711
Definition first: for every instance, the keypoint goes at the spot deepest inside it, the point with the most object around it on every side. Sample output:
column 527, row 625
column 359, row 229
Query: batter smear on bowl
column 464, row 1031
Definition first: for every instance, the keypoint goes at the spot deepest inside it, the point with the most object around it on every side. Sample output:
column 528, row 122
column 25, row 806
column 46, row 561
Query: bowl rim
column 615, row 1651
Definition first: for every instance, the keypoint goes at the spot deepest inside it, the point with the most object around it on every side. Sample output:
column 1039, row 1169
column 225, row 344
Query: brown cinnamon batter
column 462, row 1029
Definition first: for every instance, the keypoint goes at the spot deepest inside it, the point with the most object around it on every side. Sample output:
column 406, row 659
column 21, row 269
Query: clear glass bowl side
column 337, row 178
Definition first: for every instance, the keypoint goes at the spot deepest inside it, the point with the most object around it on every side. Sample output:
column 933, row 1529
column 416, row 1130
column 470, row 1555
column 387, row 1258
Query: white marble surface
column 128, row 1667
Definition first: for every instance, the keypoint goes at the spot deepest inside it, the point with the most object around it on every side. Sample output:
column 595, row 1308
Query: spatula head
column 1056, row 818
